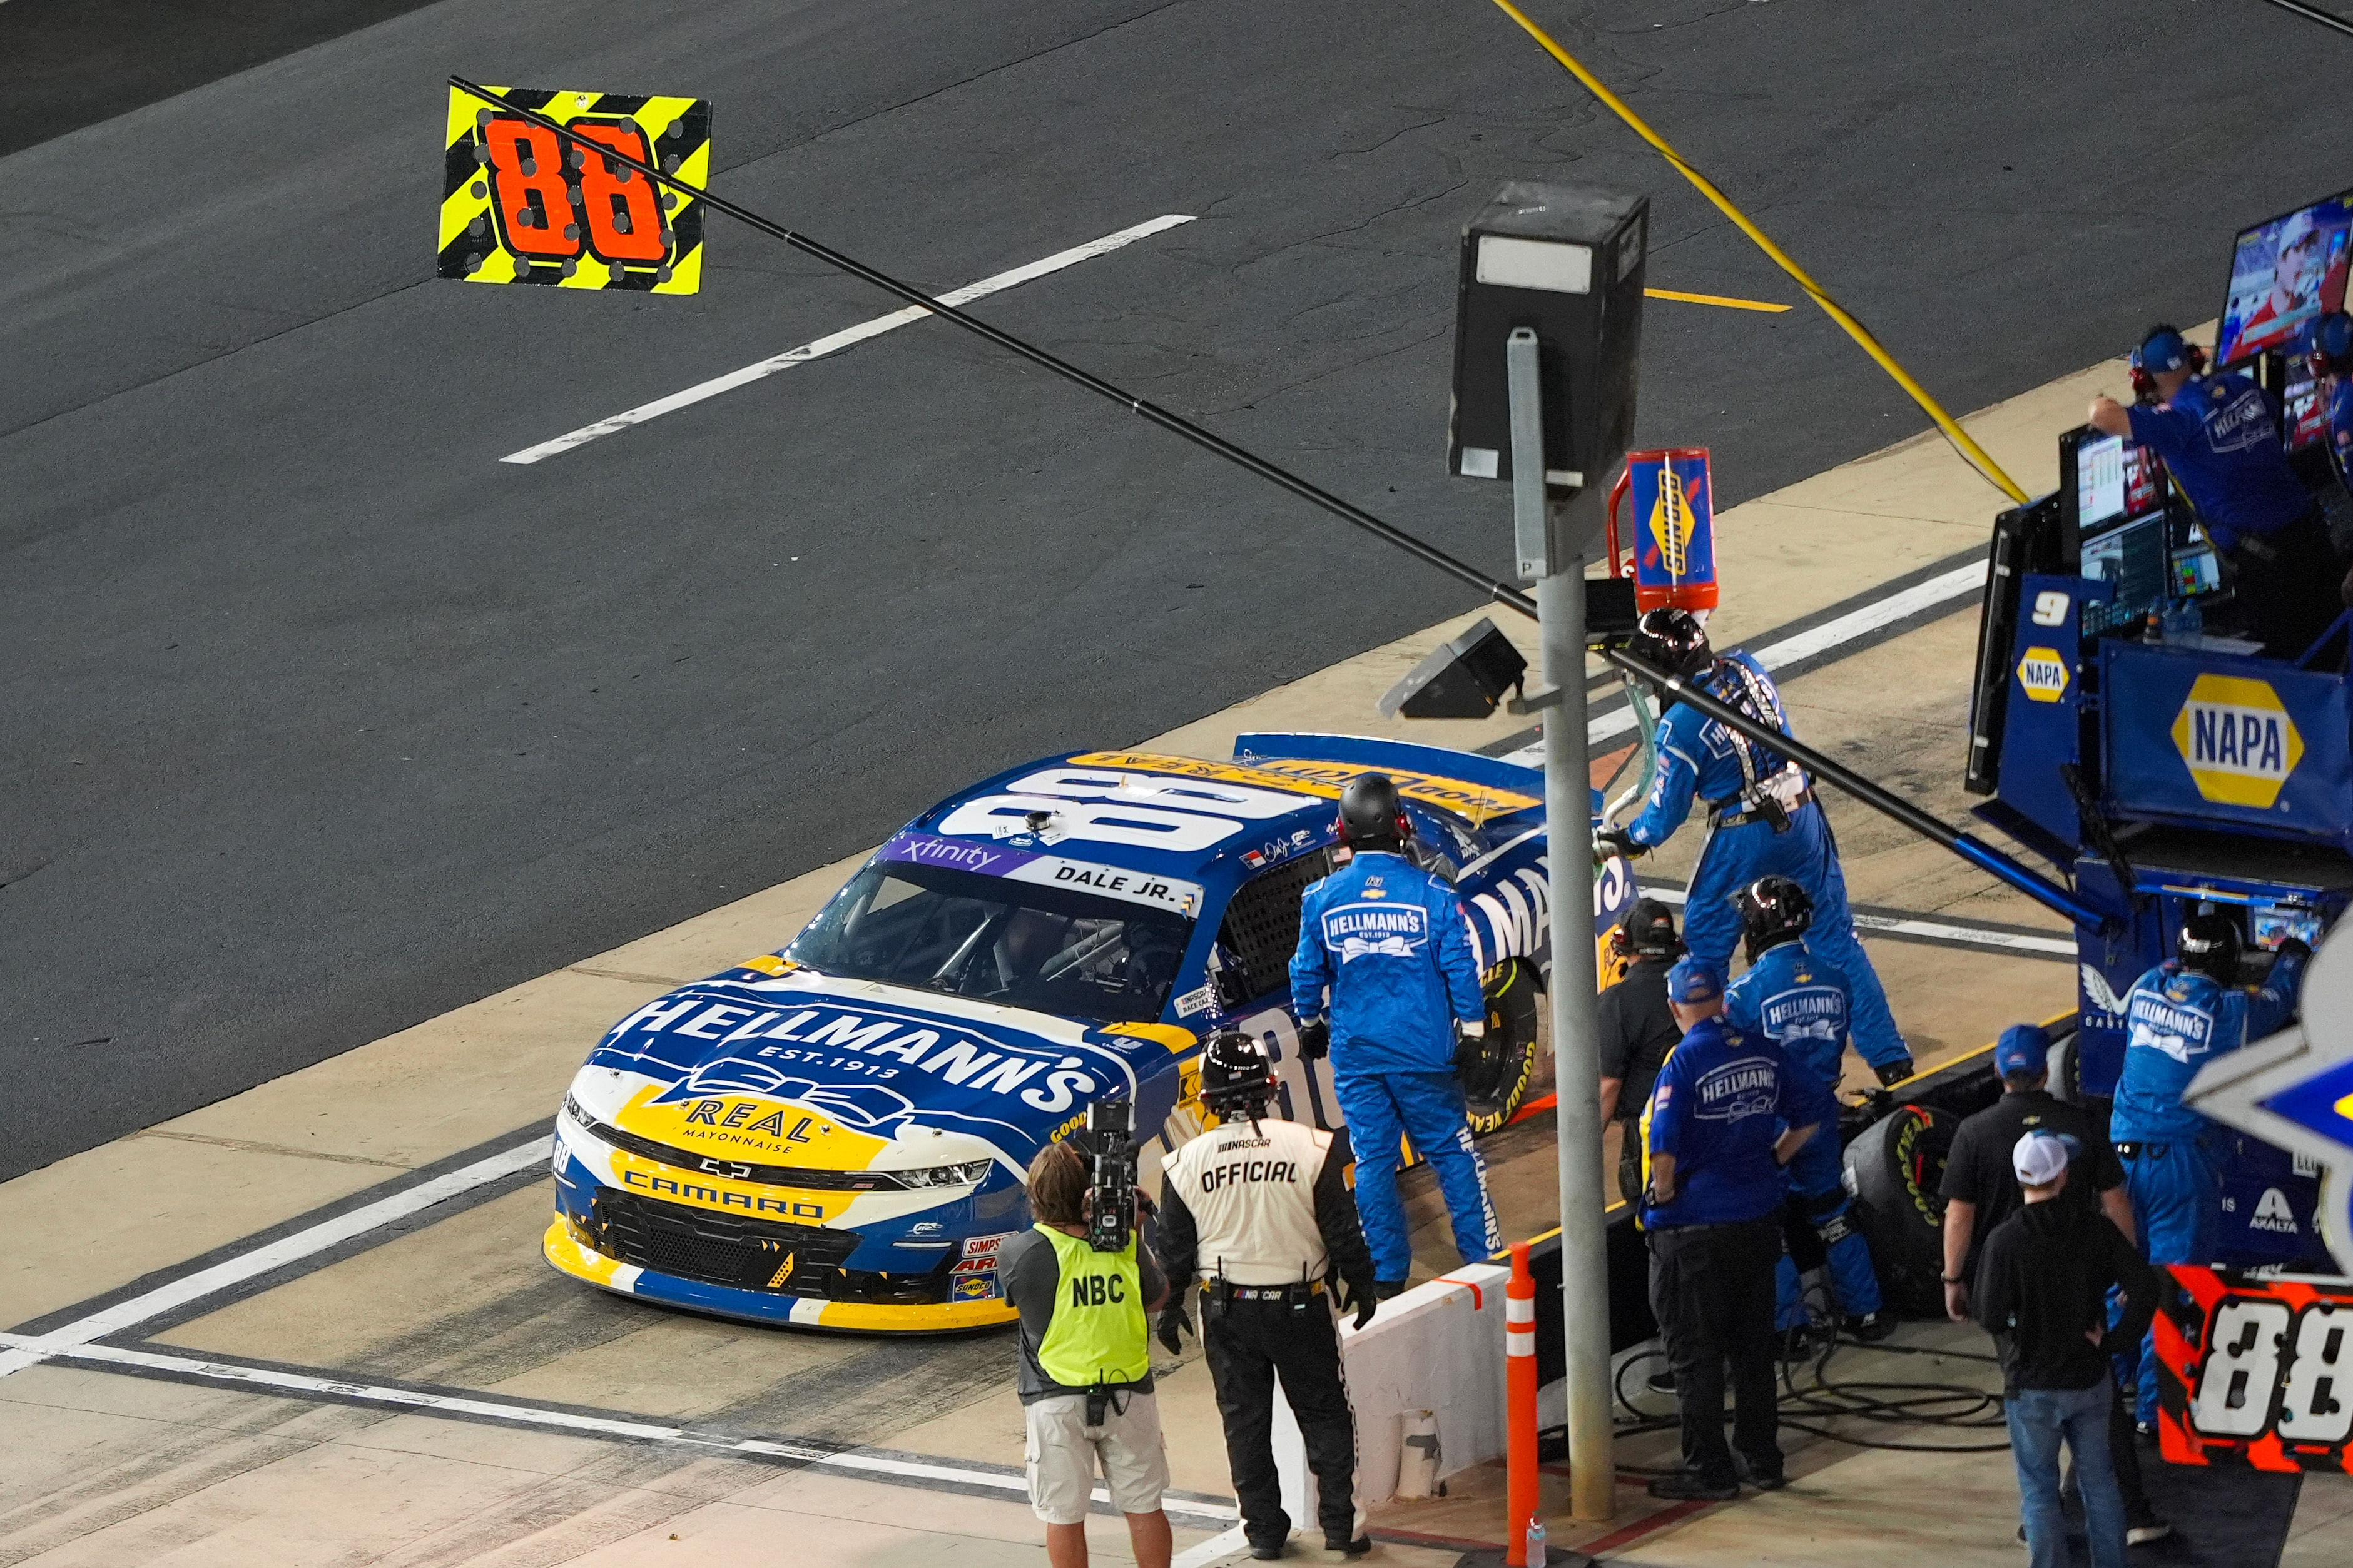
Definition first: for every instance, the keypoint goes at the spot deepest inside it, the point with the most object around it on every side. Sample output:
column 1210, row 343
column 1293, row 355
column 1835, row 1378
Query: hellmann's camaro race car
column 837, row 1134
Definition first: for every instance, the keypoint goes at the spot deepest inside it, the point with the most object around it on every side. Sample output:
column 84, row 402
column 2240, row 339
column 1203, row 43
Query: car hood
column 774, row 1063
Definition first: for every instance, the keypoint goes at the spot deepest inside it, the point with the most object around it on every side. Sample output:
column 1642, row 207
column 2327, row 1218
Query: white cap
column 2039, row 1158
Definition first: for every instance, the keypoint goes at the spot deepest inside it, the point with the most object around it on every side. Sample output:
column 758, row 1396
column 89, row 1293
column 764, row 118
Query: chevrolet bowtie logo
column 725, row 1168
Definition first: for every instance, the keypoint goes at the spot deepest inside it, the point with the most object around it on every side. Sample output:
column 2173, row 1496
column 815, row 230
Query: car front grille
column 745, row 1254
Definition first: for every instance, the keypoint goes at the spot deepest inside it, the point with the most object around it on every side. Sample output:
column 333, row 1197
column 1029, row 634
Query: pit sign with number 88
column 2259, row 1369
column 522, row 204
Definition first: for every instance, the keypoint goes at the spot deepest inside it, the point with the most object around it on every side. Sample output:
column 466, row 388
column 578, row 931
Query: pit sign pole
column 1559, row 573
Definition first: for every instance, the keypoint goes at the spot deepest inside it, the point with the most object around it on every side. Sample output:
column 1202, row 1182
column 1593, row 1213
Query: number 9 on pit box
column 522, row 204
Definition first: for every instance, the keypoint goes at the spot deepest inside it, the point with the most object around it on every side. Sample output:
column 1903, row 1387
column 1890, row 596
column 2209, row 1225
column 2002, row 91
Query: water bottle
column 1536, row 1549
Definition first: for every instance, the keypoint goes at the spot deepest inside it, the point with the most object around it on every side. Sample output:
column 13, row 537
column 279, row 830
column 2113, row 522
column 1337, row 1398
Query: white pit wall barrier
column 1437, row 1347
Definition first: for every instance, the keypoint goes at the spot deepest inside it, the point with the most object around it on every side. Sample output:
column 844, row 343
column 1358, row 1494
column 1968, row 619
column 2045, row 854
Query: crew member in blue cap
column 1980, row 1191
column 2219, row 437
column 1726, row 1113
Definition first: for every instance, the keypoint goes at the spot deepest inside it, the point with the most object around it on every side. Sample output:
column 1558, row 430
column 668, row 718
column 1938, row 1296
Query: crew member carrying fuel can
column 1800, row 1004
column 1389, row 941
column 1259, row 1209
column 1762, row 820
column 2179, row 1017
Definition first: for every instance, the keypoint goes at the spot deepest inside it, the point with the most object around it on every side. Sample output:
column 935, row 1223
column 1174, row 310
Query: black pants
column 2287, row 588
column 1251, row 1345
column 1712, row 1291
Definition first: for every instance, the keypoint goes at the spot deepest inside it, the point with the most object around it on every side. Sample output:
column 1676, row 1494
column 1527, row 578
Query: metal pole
column 1576, row 1055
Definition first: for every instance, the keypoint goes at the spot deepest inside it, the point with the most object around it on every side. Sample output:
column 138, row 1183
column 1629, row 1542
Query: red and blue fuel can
column 1671, row 527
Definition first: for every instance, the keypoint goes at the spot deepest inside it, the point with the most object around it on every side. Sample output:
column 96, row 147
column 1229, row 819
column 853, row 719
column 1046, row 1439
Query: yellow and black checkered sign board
column 522, row 203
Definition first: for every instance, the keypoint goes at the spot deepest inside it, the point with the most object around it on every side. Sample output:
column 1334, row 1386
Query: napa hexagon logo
column 2042, row 674
column 2236, row 737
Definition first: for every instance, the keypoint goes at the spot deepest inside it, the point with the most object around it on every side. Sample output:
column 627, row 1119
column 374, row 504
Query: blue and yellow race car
column 836, row 1134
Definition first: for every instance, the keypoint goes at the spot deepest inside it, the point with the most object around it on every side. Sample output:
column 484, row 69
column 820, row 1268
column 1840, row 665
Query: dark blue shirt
column 2219, row 439
column 1718, row 1108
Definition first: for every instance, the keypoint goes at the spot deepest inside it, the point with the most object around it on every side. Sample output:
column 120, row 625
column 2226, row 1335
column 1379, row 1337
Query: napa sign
column 2237, row 738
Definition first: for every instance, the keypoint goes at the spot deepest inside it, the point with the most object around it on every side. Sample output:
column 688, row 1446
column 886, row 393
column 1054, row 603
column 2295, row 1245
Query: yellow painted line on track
column 1725, row 300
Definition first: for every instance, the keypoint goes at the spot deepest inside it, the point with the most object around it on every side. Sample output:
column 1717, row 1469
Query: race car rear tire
column 1495, row 1088
column 1893, row 1169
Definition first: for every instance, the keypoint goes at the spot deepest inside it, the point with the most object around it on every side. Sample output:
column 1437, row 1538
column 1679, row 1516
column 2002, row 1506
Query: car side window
column 1261, row 931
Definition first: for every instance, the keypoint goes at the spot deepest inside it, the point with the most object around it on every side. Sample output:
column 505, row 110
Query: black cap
column 1647, row 930
column 1235, row 1073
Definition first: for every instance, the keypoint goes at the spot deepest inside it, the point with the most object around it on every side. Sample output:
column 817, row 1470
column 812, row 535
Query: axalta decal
column 862, row 1068
column 2238, row 739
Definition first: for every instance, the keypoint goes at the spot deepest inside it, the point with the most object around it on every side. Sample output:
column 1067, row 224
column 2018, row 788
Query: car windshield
column 1049, row 949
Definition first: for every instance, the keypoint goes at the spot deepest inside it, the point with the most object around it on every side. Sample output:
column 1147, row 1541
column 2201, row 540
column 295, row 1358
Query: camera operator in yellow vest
column 1086, row 1366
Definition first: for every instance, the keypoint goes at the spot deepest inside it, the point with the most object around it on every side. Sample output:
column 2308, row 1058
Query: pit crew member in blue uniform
column 1390, row 943
column 2179, row 1017
column 1728, row 1110
column 2220, row 438
column 2332, row 362
column 1762, row 820
column 1800, row 1003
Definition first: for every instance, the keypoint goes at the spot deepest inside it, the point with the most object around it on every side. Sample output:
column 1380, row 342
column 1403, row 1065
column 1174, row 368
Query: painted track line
column 1194, row 1511
column 1945, row 933
column 1945, row 591
column 23, row 1351
column 837, row 342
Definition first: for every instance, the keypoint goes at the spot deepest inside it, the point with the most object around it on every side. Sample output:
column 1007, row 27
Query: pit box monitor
column 2285, row 272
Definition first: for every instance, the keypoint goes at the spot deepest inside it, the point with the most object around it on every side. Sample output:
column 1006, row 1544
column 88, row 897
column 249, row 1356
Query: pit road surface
column 319, row 720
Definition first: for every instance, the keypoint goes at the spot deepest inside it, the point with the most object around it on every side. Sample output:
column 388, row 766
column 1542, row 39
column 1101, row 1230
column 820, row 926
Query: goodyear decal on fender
column 520, row 204
column 1325, row 780
column 2043, row 674
column 2237, row 739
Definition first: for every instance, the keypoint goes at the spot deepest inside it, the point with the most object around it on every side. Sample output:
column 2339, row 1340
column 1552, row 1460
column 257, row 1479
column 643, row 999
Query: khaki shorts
column 1062, row 1449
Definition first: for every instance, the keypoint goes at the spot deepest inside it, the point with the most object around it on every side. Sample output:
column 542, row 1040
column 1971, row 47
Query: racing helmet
column 2162, row 348
column 1371, row 816
column 1237, row 1079
column 1773, row 910
column 2209, row 944
column 1646, row 931
column 1675, row 641
column 2332, row 344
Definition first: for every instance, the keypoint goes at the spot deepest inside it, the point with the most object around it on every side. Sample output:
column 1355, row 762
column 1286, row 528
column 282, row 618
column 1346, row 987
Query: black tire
column 1495, row 1086
column 1894, row 1168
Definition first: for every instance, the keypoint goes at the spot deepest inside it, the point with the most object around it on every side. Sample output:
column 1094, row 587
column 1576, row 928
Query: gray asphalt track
column 316, row 721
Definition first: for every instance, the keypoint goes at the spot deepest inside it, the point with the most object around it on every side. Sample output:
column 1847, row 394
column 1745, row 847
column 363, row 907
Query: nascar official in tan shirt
column 1260, row 1208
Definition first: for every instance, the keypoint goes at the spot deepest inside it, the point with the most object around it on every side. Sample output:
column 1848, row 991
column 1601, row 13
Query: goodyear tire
column 1495, row 1086
column 1893, row 1169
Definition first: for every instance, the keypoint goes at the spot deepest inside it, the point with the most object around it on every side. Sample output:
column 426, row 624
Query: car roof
column 1173, row 815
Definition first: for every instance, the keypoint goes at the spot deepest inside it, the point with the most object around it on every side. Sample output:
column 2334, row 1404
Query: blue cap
column 1693, row 979
column 2023, row 1047
column 2162, row 350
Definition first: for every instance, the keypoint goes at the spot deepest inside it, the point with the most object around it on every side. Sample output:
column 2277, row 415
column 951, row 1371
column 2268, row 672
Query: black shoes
column 1385, row 1289
column 1268, row 1551
column 1871, row 1327
column 1764, row 1479
column 1684, row 1485
column 1340, row 1545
